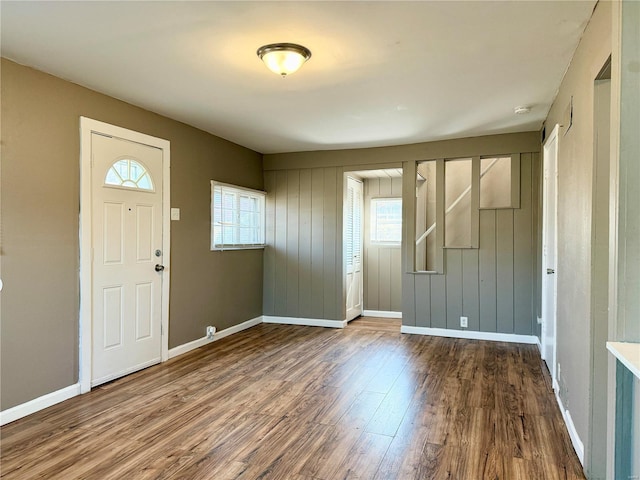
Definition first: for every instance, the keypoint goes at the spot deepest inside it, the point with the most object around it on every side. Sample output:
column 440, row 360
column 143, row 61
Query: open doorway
column 381, row 216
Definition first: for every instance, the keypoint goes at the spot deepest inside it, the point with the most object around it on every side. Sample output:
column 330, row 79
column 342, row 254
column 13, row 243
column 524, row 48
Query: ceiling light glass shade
column 283, row 58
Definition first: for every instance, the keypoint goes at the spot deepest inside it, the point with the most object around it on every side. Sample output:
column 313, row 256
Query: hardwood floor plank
column 304, row 403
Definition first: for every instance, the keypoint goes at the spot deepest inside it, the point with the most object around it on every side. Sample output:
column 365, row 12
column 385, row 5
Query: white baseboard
column 309, row 322
column 40, row 403
column 381, row 314
column 539, row 344
column 200, row 342
column 578, row 446
column 470, row 334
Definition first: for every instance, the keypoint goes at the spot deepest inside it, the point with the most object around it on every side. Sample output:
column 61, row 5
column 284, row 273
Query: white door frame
column 350, row 316
column 89, row 126
column 548, row 148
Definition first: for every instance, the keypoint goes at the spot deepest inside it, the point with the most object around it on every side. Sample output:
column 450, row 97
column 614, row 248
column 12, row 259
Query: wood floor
column 289, row 402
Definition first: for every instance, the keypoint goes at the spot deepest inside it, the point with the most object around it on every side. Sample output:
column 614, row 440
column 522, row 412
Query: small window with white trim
column 237, row 217
column 386, row 221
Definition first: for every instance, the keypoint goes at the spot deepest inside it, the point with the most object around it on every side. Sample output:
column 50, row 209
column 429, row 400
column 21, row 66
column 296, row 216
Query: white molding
column 381, row 314
column 32, row 406
column 309, row 322
column 539, row 344
column 470, row 334
column 578, row 446
column 87, row 127
column 200, row 342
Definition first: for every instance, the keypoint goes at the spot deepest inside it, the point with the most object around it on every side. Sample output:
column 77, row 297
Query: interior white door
column 127, row 257
column 549, row 251
column 353, row 246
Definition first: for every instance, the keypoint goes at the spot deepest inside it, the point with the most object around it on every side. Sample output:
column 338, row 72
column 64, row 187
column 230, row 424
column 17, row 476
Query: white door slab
column 549, row 252
column 353, row 246
column 127, row 276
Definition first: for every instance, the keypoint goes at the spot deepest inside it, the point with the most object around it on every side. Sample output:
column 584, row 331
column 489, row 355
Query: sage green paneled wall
column 302, row 259
column 382, row 263
column 495, row 285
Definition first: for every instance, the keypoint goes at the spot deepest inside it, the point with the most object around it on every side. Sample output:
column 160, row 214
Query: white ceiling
column 381, row 73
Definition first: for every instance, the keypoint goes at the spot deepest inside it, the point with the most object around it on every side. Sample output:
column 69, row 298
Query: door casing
column 89, row 126
column 550, row 151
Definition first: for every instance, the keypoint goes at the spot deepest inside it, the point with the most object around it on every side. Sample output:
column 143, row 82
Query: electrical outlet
column 464, row 322
column 211, row 331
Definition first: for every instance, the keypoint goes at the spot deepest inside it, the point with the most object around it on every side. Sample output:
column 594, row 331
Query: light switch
column 175, row 214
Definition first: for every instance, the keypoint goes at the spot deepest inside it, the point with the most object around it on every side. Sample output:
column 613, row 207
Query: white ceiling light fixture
column 283, row 58
column 523, row 110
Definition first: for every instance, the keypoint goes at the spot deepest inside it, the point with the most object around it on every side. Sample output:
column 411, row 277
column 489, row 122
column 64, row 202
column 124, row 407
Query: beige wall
column 39, row 206
column 575, row 217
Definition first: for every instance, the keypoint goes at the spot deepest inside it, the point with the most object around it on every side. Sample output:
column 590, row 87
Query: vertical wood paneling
column 471, row 288
column 504, row 270
column 494, row 285
column 331, row 237
column 438, row 301
column 522, row 253
column 340, row 281
column 269, row 251
column 396, row 280
column 280, row 241
column 385, row 187
column 408, row 305
column 536, row 266
column 317, row 242
column 293, row 214
column 423, row 300
column 371, row 267
column 304, row 246
column 371, row 283
column 384, row 287
column 454, row 287
column 407, row 249
column 487, row 271
column 382, row 268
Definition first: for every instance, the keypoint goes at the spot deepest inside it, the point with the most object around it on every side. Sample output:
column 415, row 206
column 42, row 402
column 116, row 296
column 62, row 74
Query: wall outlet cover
column 211, row 331
column 464, row 322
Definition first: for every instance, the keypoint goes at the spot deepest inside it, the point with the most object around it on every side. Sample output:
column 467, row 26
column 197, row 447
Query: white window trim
column 251, row 246
column 371, row 230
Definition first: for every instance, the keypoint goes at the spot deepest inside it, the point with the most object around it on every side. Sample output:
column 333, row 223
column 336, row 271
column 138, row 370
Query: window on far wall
column 386, row 221
column 237, row 217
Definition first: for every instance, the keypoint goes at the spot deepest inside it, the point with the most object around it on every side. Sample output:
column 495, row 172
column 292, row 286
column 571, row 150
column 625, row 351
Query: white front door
column 127, row 257
column 549, row 249
column 353, row 228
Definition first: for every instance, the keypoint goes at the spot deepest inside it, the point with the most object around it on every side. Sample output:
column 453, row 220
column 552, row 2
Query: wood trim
column 470, row 334
column 45, row 401
column 200, row 342
column 381, row 314
column 578, row 446
column 309, row 322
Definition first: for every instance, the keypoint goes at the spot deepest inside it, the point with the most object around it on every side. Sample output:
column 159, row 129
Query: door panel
column 549, row 249
column 127, row 231
column 353, row 246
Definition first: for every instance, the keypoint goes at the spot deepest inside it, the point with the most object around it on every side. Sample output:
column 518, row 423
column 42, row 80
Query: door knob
column 159, row 268
column 550, row 271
